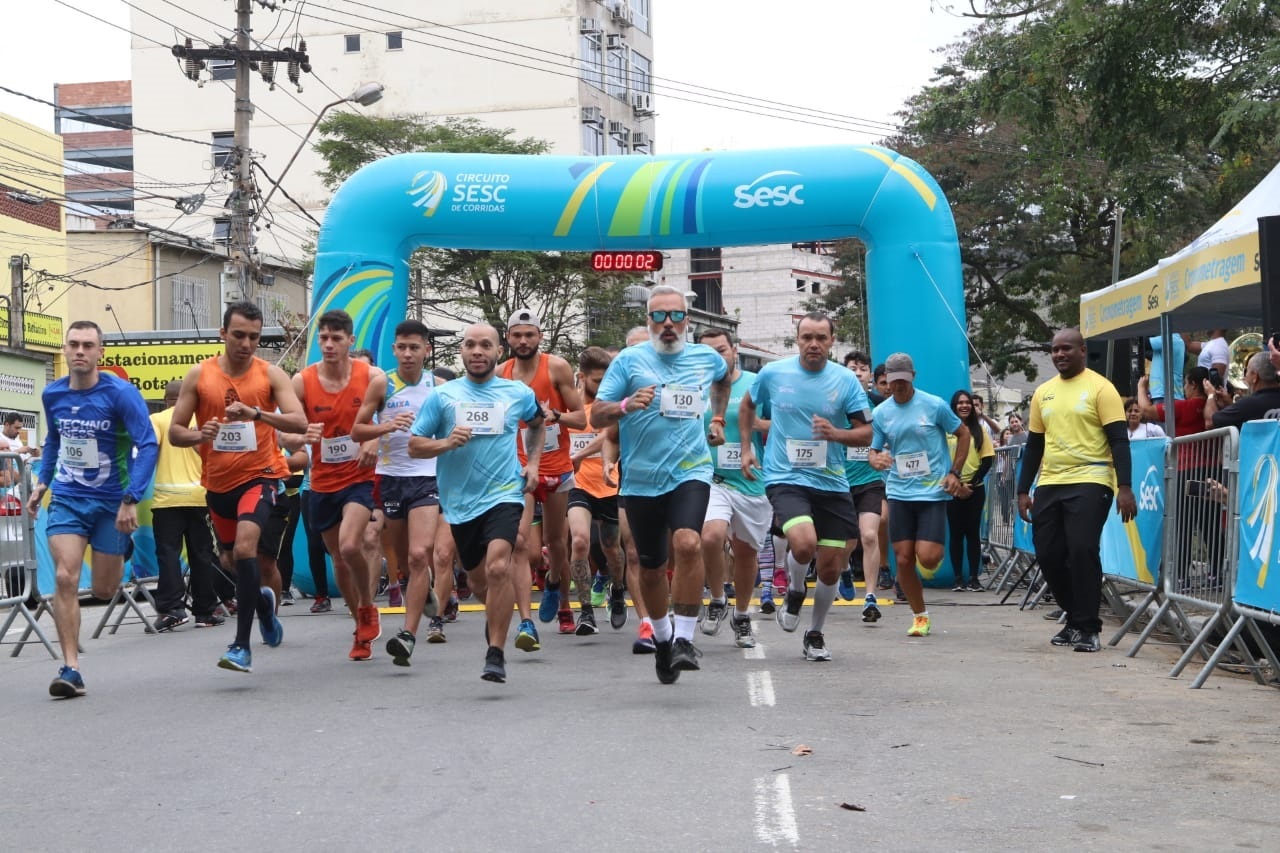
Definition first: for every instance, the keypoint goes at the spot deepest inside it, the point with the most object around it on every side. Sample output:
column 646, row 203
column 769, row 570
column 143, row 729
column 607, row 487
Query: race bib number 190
column 340, row 448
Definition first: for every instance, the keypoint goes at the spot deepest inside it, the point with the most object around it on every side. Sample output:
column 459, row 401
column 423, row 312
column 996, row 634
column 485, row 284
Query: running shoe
column 898, row 593
column 435, row 630
column 322, row 604
column 920, row 627
column 743, row 637
column 598, row 590
column 1053, row 615
column 960, row 586
column 527, row 636
column 270, row 628
column 1088, row 642
column 382, row 581
column 68, row 685
column 976, row 585
column 400, row 647
column 815, row 647
column 169, row 621
column 495, row 666
column 848, row 592
column 766, row 599
column 780, row 582
column 431, row 607
column 586, row 622
column 667, row 674
column 549, row 605
column 451, row 609
column 237, row 658
column 565, row 618
column 394, row 598
column 360, row 649
column 684, row 655
column 713, row 617
column 885, row 581
column 870, row 610
column 286, row 598
column 460, row 586
column 617, row 606
column 644, row 644
column 1068, row 636
column 368, row 624
column 230, row 606
column 789, row 616
column 540, row 578
column 729, row 591
column 212, row 620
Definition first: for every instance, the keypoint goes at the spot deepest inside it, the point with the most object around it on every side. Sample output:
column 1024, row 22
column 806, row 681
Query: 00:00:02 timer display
column 626, row 261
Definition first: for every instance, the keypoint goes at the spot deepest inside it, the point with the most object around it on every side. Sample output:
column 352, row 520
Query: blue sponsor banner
column 1258, row 575
column 1133, row 550
column 1021, row 529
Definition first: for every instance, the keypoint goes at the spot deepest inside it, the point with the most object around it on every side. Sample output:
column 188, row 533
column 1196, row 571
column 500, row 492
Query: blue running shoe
column 269, row 624
column 549, row 606
column 527, row 636
column 237, row 658
column 598, row 590
column 68, row 685
column 846, row 587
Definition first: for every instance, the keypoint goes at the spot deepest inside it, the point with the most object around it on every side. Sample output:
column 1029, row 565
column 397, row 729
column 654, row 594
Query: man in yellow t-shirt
column 179, row 515
column 1079, row 443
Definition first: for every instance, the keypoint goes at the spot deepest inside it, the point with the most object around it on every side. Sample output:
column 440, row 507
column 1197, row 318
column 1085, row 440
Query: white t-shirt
column 1214, row 352
column 1146, row 430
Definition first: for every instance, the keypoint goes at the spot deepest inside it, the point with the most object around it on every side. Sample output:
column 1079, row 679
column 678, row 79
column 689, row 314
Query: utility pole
column 241, row 266
column 17, row 320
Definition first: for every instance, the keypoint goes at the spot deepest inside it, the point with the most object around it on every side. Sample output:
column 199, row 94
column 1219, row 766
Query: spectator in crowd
column 1213, row 353
column 1157, row 367
column 1192, row 413
column 989, row 425
column 1138, row 428
column 964, row 510
column 1263, row 399
column 1017, row 430
column 13, row 437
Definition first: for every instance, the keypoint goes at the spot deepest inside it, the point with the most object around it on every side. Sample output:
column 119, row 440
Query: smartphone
column 1215, row 378
column 1195, row 488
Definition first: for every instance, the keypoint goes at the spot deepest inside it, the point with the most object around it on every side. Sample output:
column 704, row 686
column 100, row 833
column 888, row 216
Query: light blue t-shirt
column 725, row 457
column 484, row 472
column 793, row 396
column 661, row 451
column 916, row 434
column 1157, row 367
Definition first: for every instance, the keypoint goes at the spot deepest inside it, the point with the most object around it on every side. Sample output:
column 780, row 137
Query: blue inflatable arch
column 391, row 207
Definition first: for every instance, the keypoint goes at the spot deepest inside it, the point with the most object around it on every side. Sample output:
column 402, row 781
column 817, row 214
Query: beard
column 664, row 347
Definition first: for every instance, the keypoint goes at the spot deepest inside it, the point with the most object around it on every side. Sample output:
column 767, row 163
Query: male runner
column 332, row 392
column 95, row 420
column 736, row 505
column 551, row 379
column 406, row 486
column 657, row 393
column 866, row 487
column 238, row 402
column 818, row 408
column 910, row 442
column 470, row 425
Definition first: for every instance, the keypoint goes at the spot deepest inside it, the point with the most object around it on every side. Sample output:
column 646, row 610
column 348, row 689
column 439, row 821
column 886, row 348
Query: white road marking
column 775, row 814
column 756, row 652
column 760, row 689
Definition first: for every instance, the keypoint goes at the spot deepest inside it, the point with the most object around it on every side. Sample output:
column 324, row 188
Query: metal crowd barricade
column 17, row 554
column 1014, row 566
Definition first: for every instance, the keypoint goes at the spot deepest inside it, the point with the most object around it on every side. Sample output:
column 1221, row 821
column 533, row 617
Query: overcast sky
column 853, row 58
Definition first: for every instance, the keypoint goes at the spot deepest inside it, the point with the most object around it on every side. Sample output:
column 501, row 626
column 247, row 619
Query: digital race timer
column 643, row 260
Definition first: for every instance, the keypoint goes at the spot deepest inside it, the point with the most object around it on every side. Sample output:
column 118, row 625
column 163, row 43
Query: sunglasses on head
column 661, row 316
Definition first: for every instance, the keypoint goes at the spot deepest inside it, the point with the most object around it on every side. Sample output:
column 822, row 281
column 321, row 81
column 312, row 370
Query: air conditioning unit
column 592, row 115
column 639, row 139
column 642, row 103
column 613, row 41
column 621, row 12
column 590, row 26
column 617, row 128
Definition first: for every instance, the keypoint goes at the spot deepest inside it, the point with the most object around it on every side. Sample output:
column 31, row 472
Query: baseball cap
column 523, row 317
column 899, row 366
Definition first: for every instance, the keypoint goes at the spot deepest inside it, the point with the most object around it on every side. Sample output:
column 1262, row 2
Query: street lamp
column 364, row 95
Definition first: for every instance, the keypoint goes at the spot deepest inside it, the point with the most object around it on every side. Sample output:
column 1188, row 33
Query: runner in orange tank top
column 342, row 470
column 551, row 379
column 239, row 402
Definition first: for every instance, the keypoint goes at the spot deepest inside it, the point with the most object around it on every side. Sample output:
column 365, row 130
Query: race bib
column 550, row 437
column 912, row 465
column 236, row 437
column 340, row 448
column 578, row 442
column 482, row 418
column 78, row 452
column 857, row 454
column 806, row 454
column 729, row 455
column 681, row 401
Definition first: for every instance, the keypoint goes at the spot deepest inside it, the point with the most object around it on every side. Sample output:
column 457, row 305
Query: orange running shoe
column 360, row 649
column 565, row 618
column 368, row 624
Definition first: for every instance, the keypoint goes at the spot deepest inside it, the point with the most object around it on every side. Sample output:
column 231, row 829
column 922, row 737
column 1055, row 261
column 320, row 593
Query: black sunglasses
column 661, row 316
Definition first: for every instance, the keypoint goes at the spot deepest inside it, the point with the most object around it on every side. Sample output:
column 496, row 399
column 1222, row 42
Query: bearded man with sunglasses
column 657, row 393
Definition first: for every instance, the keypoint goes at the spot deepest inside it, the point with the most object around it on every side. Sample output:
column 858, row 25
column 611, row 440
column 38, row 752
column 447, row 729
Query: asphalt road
column 980, row 737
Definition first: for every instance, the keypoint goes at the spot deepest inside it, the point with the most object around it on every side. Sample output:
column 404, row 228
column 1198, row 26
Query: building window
column 352, row 43
column 592, row 47
column 616, row 84
column 704, row 261
column 802, row 286
column 815, row 287
column 190, row 303
column 641, row 73
column 222, row 69
column 640, row 14
column 592, row 140
column 224, row 145
column 395, row 40
column 709, row 296
column 222, row 230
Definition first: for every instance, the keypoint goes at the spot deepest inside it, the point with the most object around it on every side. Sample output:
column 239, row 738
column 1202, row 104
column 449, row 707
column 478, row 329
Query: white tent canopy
column 1213, row 282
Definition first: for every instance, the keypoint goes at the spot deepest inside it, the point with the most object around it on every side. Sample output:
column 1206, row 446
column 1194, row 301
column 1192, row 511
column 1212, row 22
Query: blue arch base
column 393, row 206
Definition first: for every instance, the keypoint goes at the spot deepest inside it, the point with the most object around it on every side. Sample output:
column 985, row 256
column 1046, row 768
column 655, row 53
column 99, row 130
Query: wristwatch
column 129, row 499
column 257, row 413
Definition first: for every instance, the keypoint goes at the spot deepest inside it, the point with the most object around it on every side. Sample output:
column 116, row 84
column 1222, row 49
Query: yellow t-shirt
column 1071, row 413
column 975, row 457
column 177, row 482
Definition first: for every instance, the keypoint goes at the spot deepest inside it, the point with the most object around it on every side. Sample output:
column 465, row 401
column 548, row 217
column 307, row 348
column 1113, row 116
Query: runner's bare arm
column 375, row 397
column 574, row 415
column 288, row 416
column 181, row 435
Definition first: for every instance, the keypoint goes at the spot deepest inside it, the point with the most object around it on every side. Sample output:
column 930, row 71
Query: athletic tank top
column 555, row 447
column 335, row 459
column 393, row 448
column 590, row 474
column 241, row 452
